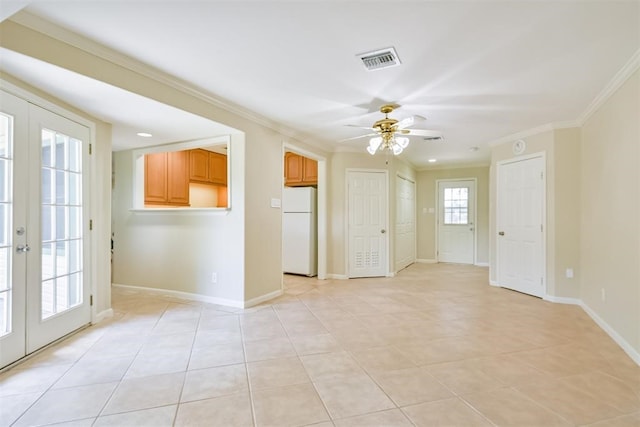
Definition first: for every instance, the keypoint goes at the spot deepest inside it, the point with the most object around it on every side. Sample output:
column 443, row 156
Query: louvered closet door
column 367, row 223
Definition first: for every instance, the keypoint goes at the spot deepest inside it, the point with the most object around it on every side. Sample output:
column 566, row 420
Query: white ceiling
column 477, row 70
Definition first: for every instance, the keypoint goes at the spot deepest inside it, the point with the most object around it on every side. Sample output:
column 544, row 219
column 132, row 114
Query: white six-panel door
column 44, row 283
column 520, row 216
column 367, row 224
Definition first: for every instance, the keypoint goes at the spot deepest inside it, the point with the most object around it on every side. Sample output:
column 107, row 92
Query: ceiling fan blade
column 360, row 127
column 357, row 137
column 409, row 121
column 422, row 132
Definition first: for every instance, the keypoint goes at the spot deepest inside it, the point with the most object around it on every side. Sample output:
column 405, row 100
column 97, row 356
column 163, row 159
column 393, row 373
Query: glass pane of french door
column 62, row 234
column 6, row 217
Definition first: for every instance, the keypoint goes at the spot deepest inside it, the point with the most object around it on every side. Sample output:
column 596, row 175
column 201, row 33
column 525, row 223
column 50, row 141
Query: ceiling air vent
column 380, row 59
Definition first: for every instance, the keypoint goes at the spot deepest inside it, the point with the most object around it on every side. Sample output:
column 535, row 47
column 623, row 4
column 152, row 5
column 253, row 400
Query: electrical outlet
column 214, row 277
column 603, row 295
column 569, row 273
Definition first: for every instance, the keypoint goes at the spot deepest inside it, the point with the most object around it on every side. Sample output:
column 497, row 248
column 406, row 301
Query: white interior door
column 520, row 217
column 405, row 247
column 367, row 224
column 44, row 293
column 456, row 221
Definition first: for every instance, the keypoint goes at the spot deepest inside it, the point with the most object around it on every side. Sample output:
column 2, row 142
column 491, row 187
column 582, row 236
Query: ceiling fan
column 392, row 134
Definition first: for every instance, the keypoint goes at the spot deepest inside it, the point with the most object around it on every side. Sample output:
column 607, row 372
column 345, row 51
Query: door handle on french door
column 22, row 248
column 383, row 231
column 501, row 233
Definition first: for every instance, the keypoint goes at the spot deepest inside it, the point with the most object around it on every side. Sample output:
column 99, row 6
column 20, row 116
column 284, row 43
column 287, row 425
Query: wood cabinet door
column 310, row 171
column 178, row 178
column 292, row 169
column 155, row 178
column 199, row 165
column 218, row 168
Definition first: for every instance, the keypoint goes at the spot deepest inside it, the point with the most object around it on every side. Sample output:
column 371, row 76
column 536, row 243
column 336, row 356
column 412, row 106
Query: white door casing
column 367, row 224
column 456, row 221
column 520, row 225
column 405, row 233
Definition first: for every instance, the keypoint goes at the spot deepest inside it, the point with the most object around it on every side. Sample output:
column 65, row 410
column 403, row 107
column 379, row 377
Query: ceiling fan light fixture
column 397, row 149
column 402, row 141
column 374, row 144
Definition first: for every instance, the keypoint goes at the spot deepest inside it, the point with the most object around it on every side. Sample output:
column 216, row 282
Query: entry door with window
column 456, row 228
column 44, row 231
column 367, row 224
column 520, row 205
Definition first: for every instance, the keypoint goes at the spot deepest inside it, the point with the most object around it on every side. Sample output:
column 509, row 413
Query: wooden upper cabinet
column 155, row 178
column 218, row 168
column 292, row 169
column 199, row 165
column 207, row 167
column 166, row 178
column 310, row 171
column 178, row 178
column 299, row 171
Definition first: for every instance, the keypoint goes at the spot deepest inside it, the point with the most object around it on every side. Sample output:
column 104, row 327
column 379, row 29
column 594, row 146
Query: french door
column 44, row 292
column 367, row 222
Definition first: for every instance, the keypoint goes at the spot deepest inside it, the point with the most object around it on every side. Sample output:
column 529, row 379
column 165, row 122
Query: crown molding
column 76, row 40
column 449, row 166
column 618, row 80
column 535, row 131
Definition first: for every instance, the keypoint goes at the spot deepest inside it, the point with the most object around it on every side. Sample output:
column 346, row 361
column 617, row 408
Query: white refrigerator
column 299, row 231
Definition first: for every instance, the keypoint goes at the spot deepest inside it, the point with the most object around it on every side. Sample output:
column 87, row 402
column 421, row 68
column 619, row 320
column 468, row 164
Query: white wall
column 180, row 251
column 610, row 213
column 337, row 214
column 427, row 198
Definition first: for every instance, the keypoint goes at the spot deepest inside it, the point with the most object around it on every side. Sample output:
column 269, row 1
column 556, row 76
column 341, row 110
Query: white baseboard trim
column 105, row 314
column 263, row 298
column 562, row 300
column 337, row 276
column 183, row 295
column 632, row 352
column 427, row 261
column 481, row 264
column 391, row 274
column 494, row 283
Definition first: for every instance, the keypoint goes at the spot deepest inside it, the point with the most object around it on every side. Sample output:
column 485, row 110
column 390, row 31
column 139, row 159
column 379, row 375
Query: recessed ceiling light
column 144, row 134
column 432, row 160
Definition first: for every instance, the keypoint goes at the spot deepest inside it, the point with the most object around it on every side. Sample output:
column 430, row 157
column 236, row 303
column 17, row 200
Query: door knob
column 383, row 231
column 501, row 233
column 22, row 248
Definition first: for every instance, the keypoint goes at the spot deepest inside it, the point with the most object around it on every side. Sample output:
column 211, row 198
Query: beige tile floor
column 434, row 346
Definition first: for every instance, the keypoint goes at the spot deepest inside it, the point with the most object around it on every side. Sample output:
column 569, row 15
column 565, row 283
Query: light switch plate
column 275, row 203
